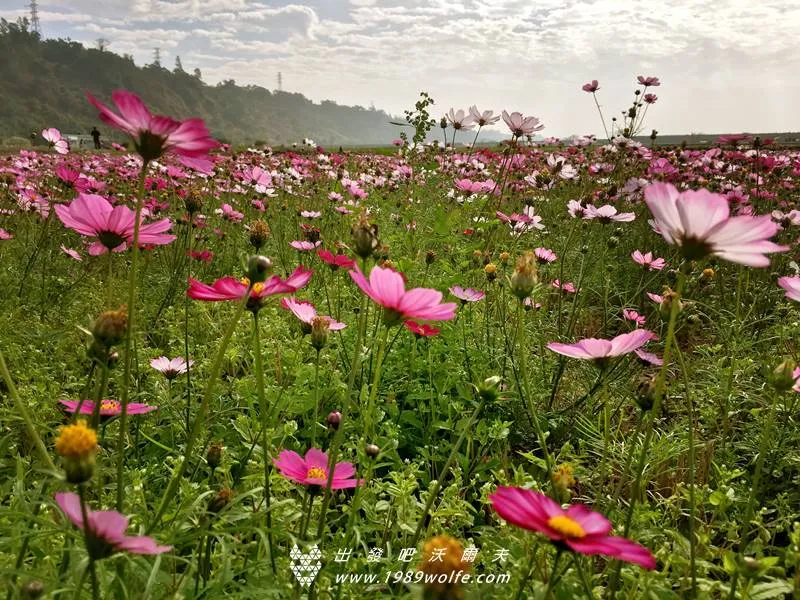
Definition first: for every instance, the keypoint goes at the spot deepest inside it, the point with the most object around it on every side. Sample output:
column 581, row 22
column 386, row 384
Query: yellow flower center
column 257, row 287
column 316, row 473
column 566, row 526
column 109, row 405
column 76, row 441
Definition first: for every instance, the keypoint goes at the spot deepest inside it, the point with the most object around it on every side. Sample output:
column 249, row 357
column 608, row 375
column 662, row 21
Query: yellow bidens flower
column 444, row 564
column 77, row 445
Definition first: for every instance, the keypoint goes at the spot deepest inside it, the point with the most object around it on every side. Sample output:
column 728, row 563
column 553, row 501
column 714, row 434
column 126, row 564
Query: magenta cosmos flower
column 600, row 350
column 468, row 294
column 792, row 287
column 313, row 469
column 387, row 288
column 336, row 261
column 230, row 288
column 421, row 329
column 591, row 87
column 154, row 135
column 106, row 530
column 171, row 368
column 582, row 530
column 108, row 408
column 94, row 216
column 700, row 223
column 520, row 125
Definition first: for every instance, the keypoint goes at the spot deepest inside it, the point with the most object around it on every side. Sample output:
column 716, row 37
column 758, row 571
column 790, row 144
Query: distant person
column 96, row 137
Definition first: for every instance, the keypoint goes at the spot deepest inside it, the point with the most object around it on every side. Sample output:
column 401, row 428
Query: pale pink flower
column 647, row 260
column 171, row 368
column 483, row 118
column 600, row 350
column 71, row 253
column 227, row 212
column 57, row 143
column 567, row 286
column 460, row 120
column 468, row 294
column 545, row 255
column 520, row 125
column 387, row 288
column 700, row 223
column 648, row 81
column 607, row 214
column 304, row 246
column 4, row 235
column 792, row 287
column 632, row 315
column 649, row 357
column 305, row 312
column 310, row 214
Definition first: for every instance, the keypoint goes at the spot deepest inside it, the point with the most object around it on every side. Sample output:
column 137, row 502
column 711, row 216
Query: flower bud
column 110, row 327
column 564, row 479
column 320, row 331
column 613, row 241
column 666, row 303
column 334, row 419
column 258, row 268
column 372, row 450
column 430, row 257
column 365, row 236
column 31, row 590
column 193, row 203
column 77, row 446
column 259, row 233
column 489, row 390
column 214, row 454
column 220, row 501
column 646, row 392
column 504, row 256
column 524, row 278
column 491, row 271
column 783, row 377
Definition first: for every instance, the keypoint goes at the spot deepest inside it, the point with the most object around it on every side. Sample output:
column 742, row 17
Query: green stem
column 87, row 539
column 315, row 422
column 23, row 412
column 126, row 380
column 527, row 575
column 262, row 407
column 101, row 391
column 199, row 420
column 376, row 380
column 692, row 499
column 587, row 586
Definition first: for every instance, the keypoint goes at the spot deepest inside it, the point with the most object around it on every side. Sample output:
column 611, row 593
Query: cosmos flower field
column 535, row 370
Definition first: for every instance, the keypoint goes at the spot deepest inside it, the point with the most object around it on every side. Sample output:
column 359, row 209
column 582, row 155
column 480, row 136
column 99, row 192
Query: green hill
column 43, row 83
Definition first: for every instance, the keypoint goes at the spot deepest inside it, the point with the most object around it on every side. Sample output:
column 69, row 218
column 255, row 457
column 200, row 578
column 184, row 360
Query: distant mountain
column 43, row 83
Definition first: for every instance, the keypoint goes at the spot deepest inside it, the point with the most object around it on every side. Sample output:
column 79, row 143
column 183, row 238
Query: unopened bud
column 334, row 419
column 646, row 393
column 259, row 233
column 365, row 237
column 32, row 589
column 524, row 278
column 214, row 454
column 258, row 268
column 491, row 271
column 193, row 203
column 430, row 257
column 613, row 241
column 372, row 450
column 783, row 376
column 320, row 330
column 220, row 501
column 110, row 327
column 504, row 256
column 489, row 390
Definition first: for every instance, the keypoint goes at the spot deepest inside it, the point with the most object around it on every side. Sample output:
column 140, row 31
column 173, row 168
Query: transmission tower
column 36, row 27
column 280, row 81
column 157, row 56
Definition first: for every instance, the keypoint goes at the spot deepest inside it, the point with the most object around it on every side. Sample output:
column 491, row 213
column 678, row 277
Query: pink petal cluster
column 107, row 529
column 597, row 349
column 108, row 408
column 313, row 469
column 607, row 214
column 792, row 287
column 57, row 143
column 647, row 260
column 591, row 87
column 468, row 294
column 520, row 125
column 387, row 288
column 171, row 368
column 94, row 216
column 230, row 288
column 581, row 529
column 154, row 135
column 700, row 223
column 336, row 261
column 305, row 311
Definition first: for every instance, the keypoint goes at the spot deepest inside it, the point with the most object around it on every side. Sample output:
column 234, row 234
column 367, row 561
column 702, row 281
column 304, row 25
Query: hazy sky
column 725, row 66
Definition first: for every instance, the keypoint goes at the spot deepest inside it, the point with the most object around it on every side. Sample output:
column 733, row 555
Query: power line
column 36, row 26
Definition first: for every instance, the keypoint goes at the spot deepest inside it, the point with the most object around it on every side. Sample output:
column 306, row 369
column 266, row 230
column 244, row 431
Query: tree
column 198, row 74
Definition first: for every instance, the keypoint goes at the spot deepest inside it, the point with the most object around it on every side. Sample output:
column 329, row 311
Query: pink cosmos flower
column 57, row 143
column 520, row 125
column 387, row 288
column 305, row 311
column 154, row 135
column 649, row 357
column 632, row 315
column 468, row 294
column 398, row 142
column 607, row 214
column 483, row 118
column 171, row 368
column 4, row 235
column 734, row 138
column 582, row 530
column 647, row 260
column 792, row 287
column 227, row 212
column 600, row 350
column 591, row 87
column 74, row 254
column 94, row 216
column 230, row 288
column 545, row 255
column 310, row 214
column 650, row 98
column 567, row 286
column 336, row 261
column 655, row 297
column 303, row 246
column 106, row 529
column 700, row 223
column 108, row 408
column 576, row 209
column 648, row 81
column 313, row 469
column 421, row 329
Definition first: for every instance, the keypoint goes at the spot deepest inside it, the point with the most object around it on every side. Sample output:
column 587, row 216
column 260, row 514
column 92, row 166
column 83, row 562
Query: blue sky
column 726, row 66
